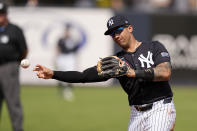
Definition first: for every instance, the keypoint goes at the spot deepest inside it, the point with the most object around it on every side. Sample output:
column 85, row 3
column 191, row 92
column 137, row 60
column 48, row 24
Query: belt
column 149, row 106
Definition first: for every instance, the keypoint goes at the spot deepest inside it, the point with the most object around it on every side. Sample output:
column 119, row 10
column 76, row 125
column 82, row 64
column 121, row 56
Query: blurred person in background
column 32, row 3
column 181, row 5
column 66, row 60
column 8, row 2
column 13, row 49
column 117, row 5
column 141, row 5
column 193, row 5
column 151, row 5
column 85, row 3
column 161, row 4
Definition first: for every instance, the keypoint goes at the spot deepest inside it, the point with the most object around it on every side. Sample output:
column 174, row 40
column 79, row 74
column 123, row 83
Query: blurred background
column 172, row 22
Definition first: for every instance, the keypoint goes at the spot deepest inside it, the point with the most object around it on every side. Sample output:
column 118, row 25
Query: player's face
column 122, row 36
column 3, row 18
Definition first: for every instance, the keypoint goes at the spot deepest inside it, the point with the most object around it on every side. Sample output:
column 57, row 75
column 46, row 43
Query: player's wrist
column 53, row 74
column 131, row 73
column 147, row 74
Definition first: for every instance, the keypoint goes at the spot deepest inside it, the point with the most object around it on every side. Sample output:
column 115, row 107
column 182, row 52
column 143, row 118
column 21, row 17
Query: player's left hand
column 112, row 66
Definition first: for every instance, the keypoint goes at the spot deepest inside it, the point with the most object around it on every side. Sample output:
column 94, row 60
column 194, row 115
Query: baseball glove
column 111, row 67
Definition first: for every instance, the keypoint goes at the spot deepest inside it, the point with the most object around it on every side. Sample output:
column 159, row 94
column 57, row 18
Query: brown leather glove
column 112, row 67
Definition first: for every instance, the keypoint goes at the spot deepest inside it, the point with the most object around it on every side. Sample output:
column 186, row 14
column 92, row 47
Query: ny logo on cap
column 110, row 22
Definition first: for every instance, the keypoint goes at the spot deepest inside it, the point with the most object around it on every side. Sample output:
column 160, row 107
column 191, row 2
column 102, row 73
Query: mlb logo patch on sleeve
column 165, row 54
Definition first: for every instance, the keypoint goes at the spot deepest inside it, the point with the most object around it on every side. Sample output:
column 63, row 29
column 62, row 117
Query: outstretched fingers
column 40, row 74
column 43, row 72
column 38, row 68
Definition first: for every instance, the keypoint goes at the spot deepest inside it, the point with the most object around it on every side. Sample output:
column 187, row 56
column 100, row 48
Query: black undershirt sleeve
column 87, row 76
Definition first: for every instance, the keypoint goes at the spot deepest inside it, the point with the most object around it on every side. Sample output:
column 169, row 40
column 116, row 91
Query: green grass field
column 94, row 109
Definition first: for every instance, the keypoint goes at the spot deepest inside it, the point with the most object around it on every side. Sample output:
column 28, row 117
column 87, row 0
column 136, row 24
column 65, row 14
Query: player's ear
column 130, row 27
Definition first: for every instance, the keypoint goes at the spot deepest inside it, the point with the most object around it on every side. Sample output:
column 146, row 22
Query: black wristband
column 147, row 74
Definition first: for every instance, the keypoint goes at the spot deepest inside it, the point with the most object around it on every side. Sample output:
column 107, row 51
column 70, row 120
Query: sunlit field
column 94, row 109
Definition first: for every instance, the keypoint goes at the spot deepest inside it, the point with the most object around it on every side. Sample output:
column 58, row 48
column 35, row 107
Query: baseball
column 25, row 63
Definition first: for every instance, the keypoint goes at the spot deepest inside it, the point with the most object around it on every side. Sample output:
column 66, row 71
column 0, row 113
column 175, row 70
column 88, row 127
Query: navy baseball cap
column 115, row 22
column 3, row 8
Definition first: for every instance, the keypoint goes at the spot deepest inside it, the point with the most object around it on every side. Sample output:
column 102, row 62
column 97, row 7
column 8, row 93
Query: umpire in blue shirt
column 13, row 49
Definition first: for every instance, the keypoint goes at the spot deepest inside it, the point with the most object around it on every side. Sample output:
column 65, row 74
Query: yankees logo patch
column 148, row 60
column 165, row 54
column 110, row 22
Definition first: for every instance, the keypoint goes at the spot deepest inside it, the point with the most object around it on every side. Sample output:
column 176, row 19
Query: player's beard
column 123, row 45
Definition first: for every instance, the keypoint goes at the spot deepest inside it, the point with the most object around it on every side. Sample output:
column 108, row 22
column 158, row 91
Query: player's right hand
column 43, row 72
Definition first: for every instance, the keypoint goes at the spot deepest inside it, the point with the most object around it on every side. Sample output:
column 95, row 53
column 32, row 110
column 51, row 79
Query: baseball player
column 66, row 60
column 143, row 70
column 13, row 49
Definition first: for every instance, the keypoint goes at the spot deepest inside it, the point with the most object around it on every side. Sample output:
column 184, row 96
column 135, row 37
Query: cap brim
column 109, row 31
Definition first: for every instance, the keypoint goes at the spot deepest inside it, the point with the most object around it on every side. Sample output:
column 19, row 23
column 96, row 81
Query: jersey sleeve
column 87, row 76
column 160, row 53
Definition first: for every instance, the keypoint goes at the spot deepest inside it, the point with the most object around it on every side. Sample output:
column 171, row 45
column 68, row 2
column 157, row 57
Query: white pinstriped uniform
column 160, row 118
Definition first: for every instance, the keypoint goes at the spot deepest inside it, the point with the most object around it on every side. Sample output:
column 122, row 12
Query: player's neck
column 134, row 44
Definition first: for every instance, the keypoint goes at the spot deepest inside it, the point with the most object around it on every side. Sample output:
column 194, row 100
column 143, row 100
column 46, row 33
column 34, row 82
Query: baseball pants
column 160, row 118
column 10, row 92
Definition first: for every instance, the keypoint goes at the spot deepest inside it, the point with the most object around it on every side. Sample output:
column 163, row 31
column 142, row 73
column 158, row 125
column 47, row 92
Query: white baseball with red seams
column 25, row 63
